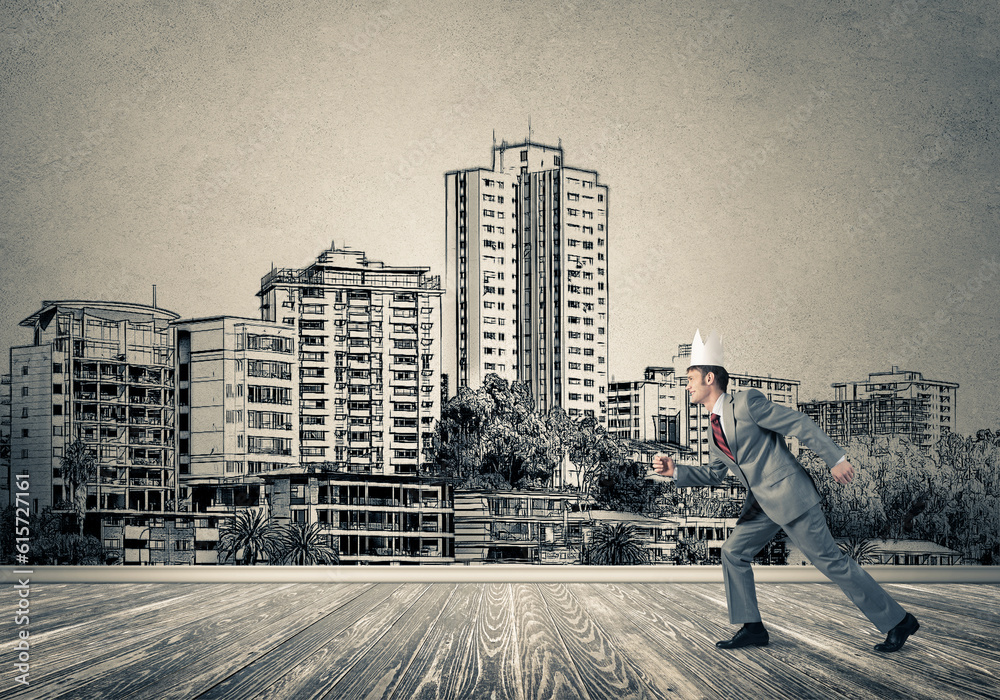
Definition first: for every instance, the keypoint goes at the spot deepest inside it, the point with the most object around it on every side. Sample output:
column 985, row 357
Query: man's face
column 697, row 387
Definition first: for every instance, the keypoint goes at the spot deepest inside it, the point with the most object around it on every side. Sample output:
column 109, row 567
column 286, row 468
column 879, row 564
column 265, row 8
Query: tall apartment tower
column 237, row 417
column 102, row 372
column 369, row 359
column 527, row 282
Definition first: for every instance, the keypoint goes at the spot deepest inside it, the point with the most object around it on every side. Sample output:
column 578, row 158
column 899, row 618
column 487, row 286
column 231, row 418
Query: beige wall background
column 818, row 181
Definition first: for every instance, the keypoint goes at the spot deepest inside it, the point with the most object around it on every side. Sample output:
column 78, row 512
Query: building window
column 524, row 156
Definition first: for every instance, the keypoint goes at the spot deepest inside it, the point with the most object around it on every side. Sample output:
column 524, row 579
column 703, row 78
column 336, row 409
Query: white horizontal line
column 501, row 573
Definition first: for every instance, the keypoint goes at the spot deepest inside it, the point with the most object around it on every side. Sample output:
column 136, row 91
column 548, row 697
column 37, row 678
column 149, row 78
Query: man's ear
column 710, row 378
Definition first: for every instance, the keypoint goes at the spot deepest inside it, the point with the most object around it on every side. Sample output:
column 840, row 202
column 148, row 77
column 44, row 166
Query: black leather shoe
column 898, row 634
column 745, row 638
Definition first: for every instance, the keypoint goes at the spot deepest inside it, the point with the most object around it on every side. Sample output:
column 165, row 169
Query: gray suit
column 780, row 495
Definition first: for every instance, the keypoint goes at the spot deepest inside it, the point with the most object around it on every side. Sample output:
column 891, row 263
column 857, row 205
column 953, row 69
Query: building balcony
column 144, row 379
column 146, row 442
column 368, row 527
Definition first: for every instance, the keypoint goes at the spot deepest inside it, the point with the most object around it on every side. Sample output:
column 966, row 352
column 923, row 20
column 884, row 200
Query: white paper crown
column 707, row 353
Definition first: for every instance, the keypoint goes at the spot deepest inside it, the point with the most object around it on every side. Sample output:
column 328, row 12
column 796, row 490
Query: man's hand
column 663, row 465
column 843, row 473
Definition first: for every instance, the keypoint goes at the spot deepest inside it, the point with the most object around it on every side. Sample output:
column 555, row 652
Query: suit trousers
column 810, row 533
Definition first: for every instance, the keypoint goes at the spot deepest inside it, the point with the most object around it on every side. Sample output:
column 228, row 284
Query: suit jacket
column 755, row 428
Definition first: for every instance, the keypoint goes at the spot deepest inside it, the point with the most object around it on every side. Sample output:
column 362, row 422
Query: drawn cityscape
column 398, row 415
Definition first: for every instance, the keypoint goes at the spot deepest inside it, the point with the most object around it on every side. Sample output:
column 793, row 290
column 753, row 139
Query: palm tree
column 616, row 545
column 306, row 545
column 78, row 468
column 860, row 549
column 248, row 537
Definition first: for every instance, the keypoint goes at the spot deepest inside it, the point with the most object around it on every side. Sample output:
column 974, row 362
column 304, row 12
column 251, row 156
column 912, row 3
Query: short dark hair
column 721, row 375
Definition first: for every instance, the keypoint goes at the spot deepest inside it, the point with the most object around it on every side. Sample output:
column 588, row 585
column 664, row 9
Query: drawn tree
column 616, row 545
column 304, row 544
column 860, row 549
column 249, row 537
column 78, row 469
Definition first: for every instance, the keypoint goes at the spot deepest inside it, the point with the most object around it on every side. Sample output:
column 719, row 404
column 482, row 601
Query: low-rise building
column 385, row 519
column 517, row 527
column 891, row 552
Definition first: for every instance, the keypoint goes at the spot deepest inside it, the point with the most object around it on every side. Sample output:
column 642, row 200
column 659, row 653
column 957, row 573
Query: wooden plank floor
column 494, row 640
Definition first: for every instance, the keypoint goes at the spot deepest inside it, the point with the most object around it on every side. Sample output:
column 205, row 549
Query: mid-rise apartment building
column 238, row 414
column 897, row 402
column 369, row 359
column 650, row 410
column 527, row 282
column 101, row 372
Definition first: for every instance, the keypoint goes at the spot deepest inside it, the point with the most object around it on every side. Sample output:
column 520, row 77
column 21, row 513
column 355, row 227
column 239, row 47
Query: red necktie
column 720, row 437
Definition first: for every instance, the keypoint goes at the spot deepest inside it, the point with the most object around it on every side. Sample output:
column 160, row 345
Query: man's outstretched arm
column 789, row 422
column 685, row 475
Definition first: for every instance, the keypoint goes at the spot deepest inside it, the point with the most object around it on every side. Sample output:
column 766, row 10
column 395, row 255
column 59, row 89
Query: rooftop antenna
column 529, row 129
column 154, row 296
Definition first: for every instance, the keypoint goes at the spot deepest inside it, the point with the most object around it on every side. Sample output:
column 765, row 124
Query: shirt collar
column 717, row 408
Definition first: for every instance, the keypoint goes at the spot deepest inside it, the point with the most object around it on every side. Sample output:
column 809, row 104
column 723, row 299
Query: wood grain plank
column 60, row 606
column 314, row 659
column 488, row 644
column 223, row 631
column 121, row 632
column 296, row 610
column 951, row 655
column 445, row 664
column 497, row 640
column 684, row 638
column 377, row 673
column 605, row 668
column 548, row 670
